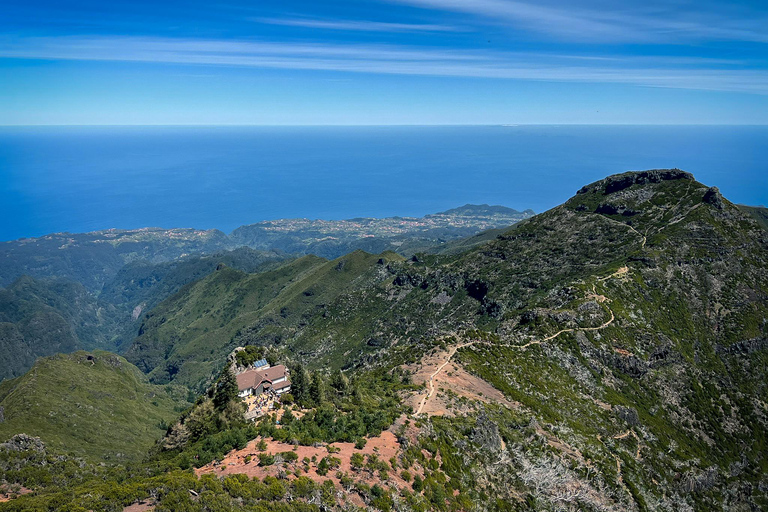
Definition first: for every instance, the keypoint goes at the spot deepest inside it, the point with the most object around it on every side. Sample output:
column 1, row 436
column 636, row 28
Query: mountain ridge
column 625, row 330
column 608, row 318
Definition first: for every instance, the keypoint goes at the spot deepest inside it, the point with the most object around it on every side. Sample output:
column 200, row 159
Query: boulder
column 486, row 434
column 714, row 197
column 22, row 443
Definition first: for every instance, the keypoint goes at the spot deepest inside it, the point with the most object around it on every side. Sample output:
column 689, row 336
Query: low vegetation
column 626, row 328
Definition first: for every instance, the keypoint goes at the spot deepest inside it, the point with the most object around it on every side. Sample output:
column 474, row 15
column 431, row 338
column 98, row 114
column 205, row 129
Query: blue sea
column 88, row 178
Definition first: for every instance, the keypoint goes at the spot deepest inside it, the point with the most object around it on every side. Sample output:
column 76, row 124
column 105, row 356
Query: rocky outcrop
column 22, row 443
column 628, row 414
column 613, row 209
column 699, row 481
column 714, row 197
column 619, row 182
column 743, row 347
column 486, row 434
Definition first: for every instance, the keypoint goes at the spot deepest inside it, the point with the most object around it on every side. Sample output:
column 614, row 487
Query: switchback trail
column 558, row 333
column 431, row 382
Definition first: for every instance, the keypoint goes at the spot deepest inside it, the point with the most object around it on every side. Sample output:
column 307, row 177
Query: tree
column 300, row 383
column 339, row 381
column 226, row 390
column 356, row 460
column 317, row 390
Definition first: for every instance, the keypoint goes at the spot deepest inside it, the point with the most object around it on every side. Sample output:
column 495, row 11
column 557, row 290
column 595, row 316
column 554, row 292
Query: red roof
column 253, row 378
column 280, row 385
column 248, row 379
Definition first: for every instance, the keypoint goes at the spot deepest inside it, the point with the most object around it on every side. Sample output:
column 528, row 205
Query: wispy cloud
column 668, row 72
column 357, row 25
column 621, row 22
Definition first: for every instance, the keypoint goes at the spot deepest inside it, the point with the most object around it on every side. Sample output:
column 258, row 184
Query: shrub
column 303, row 486
column 357, row 460
column 328, row 493
column 418, row 484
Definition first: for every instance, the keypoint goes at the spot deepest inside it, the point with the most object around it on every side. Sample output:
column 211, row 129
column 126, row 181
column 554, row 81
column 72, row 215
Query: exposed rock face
column 715, row 198
column 744, row 347
column 23, row 442
column 486, row 434
column 619, row 182
column 628, row 414
column 695, row 482
column 2, row 414
column 613, row 209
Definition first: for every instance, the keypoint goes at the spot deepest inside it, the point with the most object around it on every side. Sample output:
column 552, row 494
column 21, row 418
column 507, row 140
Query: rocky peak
column 618, row 182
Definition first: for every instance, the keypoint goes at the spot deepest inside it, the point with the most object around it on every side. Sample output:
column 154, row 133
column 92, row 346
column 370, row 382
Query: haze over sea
column 81, row 179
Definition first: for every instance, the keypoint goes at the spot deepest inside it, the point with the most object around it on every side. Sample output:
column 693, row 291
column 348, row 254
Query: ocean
column 81, row 179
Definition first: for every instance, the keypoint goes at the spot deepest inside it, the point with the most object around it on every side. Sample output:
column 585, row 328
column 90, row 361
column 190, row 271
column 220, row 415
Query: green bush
column 266, row 459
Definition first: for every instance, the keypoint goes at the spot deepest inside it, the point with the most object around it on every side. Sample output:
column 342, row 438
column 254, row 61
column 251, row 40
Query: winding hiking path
column 645, row 238
column 573, row 329
column 431, row 382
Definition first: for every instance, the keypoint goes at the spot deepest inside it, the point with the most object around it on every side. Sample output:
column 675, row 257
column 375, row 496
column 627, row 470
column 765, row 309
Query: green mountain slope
column 94, row 405
column 628, row 323
column 93, row 259
column 759, row 213
column 43, row 317
column 187, row 337
column 140, row 286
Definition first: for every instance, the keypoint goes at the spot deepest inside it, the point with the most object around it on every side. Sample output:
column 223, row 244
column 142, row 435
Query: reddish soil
column 623, row 352
column 8, row 496
column 140, row 507
column 385, row 446
column 454, row 378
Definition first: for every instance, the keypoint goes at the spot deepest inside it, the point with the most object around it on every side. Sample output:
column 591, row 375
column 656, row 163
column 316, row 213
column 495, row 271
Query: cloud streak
column 685, row 73
column 618, row 24
column 357, row 25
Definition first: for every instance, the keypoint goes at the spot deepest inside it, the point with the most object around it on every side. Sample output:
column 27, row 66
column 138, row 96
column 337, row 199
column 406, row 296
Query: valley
column 608, row 354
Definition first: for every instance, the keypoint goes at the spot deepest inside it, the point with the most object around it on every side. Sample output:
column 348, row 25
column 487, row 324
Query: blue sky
column 384, row 62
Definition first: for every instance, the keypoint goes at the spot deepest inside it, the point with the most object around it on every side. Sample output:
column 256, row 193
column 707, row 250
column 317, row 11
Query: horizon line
column 361, row 125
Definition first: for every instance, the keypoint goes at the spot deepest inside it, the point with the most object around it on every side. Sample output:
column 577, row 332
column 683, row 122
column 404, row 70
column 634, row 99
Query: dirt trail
column 8, row 496
column 621, row 272
column 549, row 338
column 645, row 238
column 431, row 381
column 632, row 433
